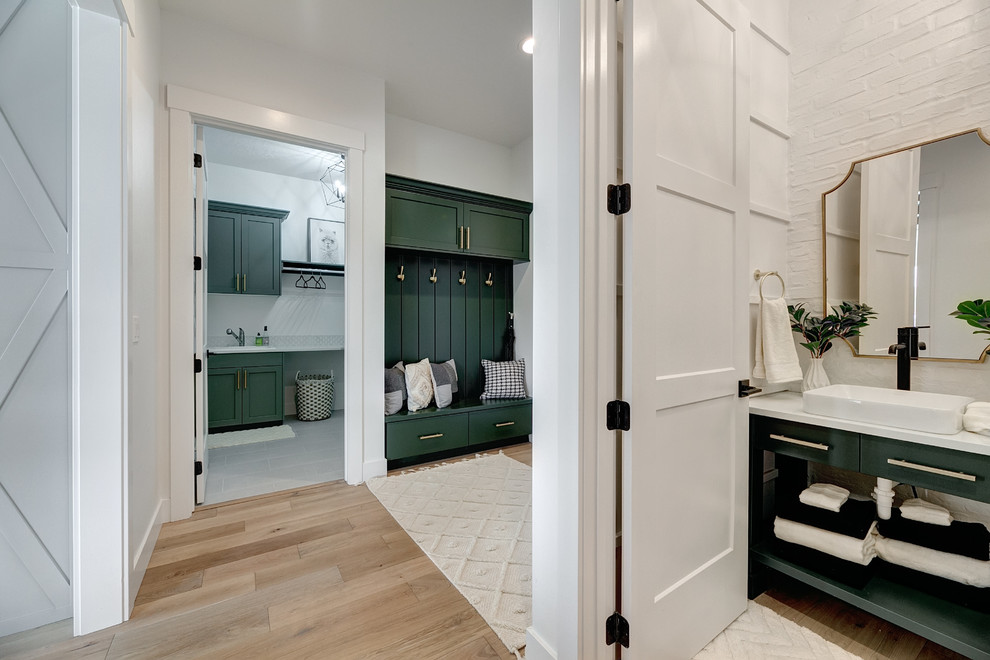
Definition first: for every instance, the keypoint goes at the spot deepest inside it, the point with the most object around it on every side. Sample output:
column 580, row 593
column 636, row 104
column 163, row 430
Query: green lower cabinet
column 501, row 423
column 244, row 388
column 414, row 437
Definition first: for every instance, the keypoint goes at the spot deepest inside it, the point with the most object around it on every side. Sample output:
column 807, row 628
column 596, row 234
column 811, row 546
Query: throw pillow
column 395, row 389
column 444, row 382
column 419, row 384
column 504, row 380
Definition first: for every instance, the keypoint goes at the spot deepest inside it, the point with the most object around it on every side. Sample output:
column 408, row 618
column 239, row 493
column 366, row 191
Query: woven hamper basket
column 314, row 397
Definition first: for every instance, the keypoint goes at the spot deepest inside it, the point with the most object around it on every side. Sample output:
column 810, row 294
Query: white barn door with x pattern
column 35, row 412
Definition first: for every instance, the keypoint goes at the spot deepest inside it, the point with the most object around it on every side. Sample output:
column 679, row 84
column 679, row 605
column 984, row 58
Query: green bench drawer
column 812, row 443
column 413, row 437
column 501, row 423
column 945, row 470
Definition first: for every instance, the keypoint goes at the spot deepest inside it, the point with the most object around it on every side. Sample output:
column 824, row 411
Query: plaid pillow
column 504, row 380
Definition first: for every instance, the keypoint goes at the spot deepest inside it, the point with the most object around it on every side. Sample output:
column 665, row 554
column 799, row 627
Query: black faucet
column 906, row 349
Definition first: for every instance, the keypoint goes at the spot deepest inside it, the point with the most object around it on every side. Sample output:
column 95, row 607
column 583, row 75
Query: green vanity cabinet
column 244, row 249
column 428, row 216
column 244, row 389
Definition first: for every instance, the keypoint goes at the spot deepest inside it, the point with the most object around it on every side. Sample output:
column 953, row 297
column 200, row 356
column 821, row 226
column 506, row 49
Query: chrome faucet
column 906, row 349
column 239, row 335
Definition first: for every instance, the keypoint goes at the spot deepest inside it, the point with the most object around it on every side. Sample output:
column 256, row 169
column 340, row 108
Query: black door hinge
column 617, row 630
column 619, row 198
column 198, row 469
column 197, row 263
column 197, row 160
column 617, row 416
column 745, row 389
column 197, row 365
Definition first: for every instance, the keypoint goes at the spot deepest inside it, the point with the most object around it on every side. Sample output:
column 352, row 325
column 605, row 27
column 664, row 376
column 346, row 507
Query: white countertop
column 788, row 406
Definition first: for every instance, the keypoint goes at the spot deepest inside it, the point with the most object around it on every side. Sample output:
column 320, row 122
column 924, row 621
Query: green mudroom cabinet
column 438, row 218
column 445, row 300
column 244, row 249
column 244, row 389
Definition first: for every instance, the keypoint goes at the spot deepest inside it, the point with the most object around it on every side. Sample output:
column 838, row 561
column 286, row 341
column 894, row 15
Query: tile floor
column 314, row 456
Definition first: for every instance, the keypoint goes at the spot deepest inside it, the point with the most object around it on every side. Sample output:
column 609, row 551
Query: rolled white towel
column 926, row 512
column 976, row 419
column 860, row 551
column 824, row 496
column 958, row 568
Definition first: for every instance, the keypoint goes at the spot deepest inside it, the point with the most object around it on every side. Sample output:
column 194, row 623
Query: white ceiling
column 258, row 153
column 455, row 64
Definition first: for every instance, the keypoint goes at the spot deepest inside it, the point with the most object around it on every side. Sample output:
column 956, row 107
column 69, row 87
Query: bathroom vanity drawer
column 414, row 437
column 812, row 443
column 944, row 470
column 501, row 423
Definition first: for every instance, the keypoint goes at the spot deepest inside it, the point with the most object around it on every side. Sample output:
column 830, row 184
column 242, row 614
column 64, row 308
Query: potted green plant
column 844, row 322
column 976, row 313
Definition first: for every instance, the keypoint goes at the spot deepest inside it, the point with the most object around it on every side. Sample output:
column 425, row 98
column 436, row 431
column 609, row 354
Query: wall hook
column 463, row 279
column 402, row 275
column 433, row 277
column 489, row 281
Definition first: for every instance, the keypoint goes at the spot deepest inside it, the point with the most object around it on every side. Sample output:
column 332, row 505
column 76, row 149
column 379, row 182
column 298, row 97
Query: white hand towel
column 860, row 551
column 776, row 357
column 977, row 417
column 824, row 496
column 935, row 562
column 926, row 512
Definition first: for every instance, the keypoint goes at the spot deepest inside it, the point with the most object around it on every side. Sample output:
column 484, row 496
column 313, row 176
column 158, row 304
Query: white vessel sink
column 918, row 411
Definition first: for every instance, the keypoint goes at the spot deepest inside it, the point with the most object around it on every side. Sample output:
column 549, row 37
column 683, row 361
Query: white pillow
column 419, row 384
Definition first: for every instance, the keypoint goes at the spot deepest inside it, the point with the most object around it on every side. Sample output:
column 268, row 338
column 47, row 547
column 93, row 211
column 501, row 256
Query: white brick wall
column 868, row 76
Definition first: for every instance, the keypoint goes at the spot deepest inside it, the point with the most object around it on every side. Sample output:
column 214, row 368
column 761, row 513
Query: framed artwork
column 326, row 241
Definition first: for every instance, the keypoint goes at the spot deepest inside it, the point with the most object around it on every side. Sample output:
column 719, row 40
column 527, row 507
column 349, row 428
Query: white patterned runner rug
column 473, row 518
column 761, row 634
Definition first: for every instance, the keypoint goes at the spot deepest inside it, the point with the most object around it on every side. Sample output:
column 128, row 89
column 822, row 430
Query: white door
column 888, row 234
column 199, row 317
column 685, row 336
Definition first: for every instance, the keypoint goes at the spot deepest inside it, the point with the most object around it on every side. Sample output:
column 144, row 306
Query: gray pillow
column 395, row 389
column 444, row 377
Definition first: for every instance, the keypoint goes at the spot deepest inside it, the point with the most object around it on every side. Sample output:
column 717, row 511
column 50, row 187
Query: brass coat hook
column 433, row 277
column 489, row 281
column 463, row 279
column 402, row 275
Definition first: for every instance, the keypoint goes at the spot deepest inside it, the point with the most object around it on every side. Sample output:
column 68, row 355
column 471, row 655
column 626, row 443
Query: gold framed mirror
column 907, row 233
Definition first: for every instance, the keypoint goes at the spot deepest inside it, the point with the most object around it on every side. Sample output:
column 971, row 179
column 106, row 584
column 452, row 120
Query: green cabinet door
column 223, row 389
column 422, row 221
column 223, row 267
column 262, row 394
column 494, row 232
column 261, row 250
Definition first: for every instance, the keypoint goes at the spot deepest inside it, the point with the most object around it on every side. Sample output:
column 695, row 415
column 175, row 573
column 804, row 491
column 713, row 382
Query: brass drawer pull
column 933, row 470
column 803, row 443
column 501, row 424
column 430, row 437
column 238, row 379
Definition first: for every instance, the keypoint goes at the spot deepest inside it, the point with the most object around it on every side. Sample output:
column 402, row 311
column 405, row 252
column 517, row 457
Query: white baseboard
column 143, row 555
column 376, row 468
column 537, row 648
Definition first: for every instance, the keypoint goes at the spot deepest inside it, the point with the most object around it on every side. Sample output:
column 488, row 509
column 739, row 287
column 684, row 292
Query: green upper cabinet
column 244, row 251
column 428, row 216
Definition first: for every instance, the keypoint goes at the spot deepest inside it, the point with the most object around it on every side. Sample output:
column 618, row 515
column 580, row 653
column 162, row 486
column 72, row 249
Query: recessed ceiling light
column 527, row 46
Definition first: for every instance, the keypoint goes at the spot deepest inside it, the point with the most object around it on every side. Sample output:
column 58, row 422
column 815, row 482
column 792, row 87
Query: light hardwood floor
column 325, row 572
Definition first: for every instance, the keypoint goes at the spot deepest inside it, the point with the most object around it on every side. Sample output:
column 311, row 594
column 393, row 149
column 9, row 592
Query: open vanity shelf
column 862, row 448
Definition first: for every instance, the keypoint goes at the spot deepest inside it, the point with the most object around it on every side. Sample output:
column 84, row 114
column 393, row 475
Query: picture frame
column 325, row 244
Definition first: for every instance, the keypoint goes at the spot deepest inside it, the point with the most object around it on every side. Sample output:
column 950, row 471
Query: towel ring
column 763, row 278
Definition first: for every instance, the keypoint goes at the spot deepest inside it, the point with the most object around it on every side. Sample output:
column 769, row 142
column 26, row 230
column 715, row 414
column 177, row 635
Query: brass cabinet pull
column 430, row 437
column 469, row 238
column 244, row 286
column 803, row 443
column 238, row 379
column 237, row 282
column 933, row 470
column 500, row 424
column 460, row 241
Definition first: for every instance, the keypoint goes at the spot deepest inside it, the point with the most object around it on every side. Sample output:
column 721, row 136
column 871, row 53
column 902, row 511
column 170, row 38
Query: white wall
column 868, row 77
column 210, row 58
column 147, row 475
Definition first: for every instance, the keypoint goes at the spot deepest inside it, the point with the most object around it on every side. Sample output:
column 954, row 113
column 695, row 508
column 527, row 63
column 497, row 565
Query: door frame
column 187, row 107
